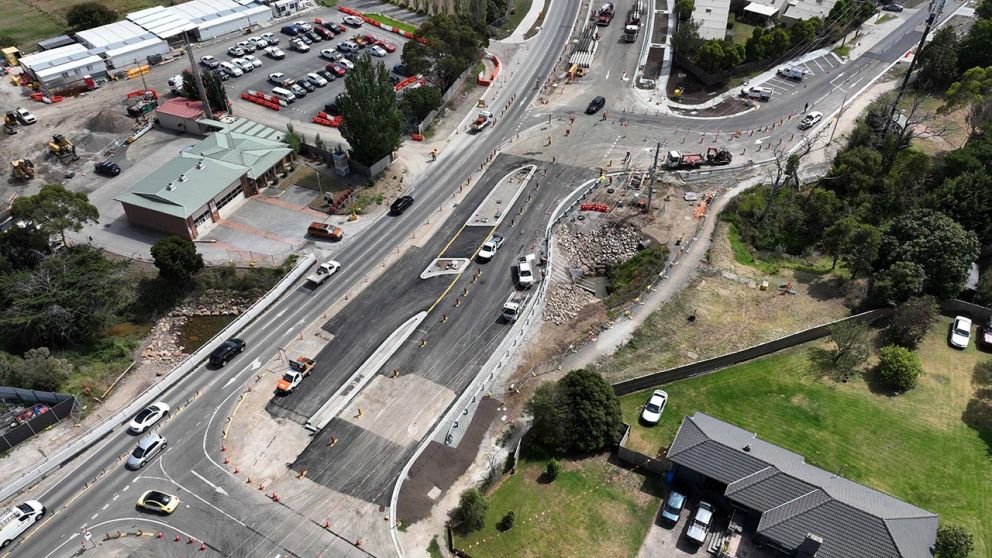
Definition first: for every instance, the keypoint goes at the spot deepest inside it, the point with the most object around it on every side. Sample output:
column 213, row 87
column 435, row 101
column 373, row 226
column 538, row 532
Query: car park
column 401, row 204
column 596, row 105
column 353, row 21
column 348, row 46
column 810, row 120
column 16, row 519
column 275, row 53
column 244, row 64
column 331, row 54
column 490, row 248
column 231, row 69
column 226, row 351
column 107, row 168
column 147, row 417
column 259, row 42
column 329, row 76
column 255, row 62
column 236, row 51
column 158, row 502
column 271, row 38
column 209, row 61
column 336, row 69
column 316, row 79
column 147, row 448
column 301, row 46
column 654, row 407
column 672, row 509
column 387, row 46
column 961, row 332
column 290, row 30
column 298, row 90
column 377, row 51
column 305, row 84
column 248, row 46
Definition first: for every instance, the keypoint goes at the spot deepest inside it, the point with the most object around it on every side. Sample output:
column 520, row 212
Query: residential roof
column 806, row 9
column 796, row 499
column 712, row 18
column 761, row 9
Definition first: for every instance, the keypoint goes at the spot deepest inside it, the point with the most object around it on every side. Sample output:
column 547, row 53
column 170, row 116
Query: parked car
column 220, row 74
column 347, row 46
column 244, row 64
column 329, row 76
column 226, row 351
column 314, row 36
column 290, row 30
column 148, row 447
column 248, row 46
column 331, row 54
column 810, row 120
column 700, row 523
column 324, row 33
column 107, row 168
column 259, row 42
column 25, row 116
column 490, row 248
column 346, row 63
column 303, row 37
column 305, row 84
column 148, row 416
column 402, row 70
column 209, row 61
column 654, row 407
column 377, row 51
column 280, row 79
column 401, row 204
column 893, row 8
column 757, row 93
column 961, row 332
column 298, row 90
column 236, row 51
column 325, row 230
column 336, row 27
column 303, row 26
column 158, row 502
column 353, row 21
column 275, row 52
column 792, row 72
column 387, row 46
column 332, row 108
column 301, row 46
column 253, row 59
column 596, row 105
column 316, row 79
column 672, row 509
column 271, row 38
column 231, row 69
column 336, row 69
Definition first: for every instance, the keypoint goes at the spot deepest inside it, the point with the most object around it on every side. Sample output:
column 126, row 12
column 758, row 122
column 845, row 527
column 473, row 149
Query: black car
column 400, row 205
column 108, row 168
column 596, row 105
column 303, row 37
column 329, row 76
column 402, row 70
column 307, row 85
column 220, row 74
column 226, row 352
column 314, row 36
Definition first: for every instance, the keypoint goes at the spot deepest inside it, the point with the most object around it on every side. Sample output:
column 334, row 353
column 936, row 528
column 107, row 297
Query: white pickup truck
column 525, row 270
column 325, row 270
column 514, row 305
column 700, row 523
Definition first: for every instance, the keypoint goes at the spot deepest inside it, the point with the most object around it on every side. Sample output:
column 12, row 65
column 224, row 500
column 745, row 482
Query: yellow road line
column 459, row 274
column 446, row 246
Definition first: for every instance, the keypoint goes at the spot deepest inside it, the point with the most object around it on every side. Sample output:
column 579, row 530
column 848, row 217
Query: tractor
column 62, row 148
column 23, row 169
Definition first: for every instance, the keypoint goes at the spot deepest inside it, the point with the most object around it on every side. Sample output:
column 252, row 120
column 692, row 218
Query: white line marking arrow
column 216, row 488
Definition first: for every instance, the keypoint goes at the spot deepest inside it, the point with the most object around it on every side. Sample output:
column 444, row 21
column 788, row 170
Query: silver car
column 149, row 446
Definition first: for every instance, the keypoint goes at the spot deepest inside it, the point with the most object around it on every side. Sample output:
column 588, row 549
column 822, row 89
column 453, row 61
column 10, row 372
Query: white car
column 810, row 120
column 270, row 38
column 489, row 249
column 654, row 407
column 275, row 52
column 348, row 64
column 209, row 61
column 259, row 42
column 25, row 116
column 244, row 64
column 248, row 46
column 961, row 332
column 231, row 69
column 323, row 272
column 331, row 54
column 236, row 51
column 16, row 519
column 354, row 21
column 316, row 80
column 377, row 51
column 253, row 59
column 301, row 46
column 280, row 79
column 700, row 523
column 525, row 270
column 148, row 416
column 303, row 25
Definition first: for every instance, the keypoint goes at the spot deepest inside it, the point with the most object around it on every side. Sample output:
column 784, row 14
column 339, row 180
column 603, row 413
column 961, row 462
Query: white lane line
column 105, row 506
column 116, row 496
column 216, row 488
column 126, row 487
column 281, row 312
column 94, row 516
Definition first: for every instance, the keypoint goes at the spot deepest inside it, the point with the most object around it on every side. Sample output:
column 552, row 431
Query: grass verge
column 97, row 365
column 772, row 265
column 628, row 279
column 900, row 445
column 386, row 20
column 843, row 51
column 517, row 13
column 594, row 509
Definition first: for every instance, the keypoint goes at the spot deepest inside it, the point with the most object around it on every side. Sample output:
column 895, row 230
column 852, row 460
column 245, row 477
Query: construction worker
column 604, row 115
column 434, row 154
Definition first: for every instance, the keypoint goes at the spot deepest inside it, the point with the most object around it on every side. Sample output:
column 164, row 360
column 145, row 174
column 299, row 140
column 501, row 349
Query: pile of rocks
column 215, row 303
column 564, row 302
column 610, row 244
column 162, row 344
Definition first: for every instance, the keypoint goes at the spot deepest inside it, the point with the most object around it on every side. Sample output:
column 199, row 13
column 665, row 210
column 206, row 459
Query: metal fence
column 55, row 413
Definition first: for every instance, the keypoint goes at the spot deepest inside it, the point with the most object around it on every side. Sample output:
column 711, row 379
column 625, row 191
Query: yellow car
column 160, row 502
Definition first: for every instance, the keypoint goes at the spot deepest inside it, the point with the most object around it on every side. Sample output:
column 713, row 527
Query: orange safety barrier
column 417, row 137
column 259, row 101
column 602, row 208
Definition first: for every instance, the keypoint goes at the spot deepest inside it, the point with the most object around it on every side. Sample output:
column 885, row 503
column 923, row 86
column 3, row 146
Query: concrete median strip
column 343, row 396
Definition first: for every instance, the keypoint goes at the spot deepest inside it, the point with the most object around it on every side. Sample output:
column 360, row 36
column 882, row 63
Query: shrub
column 911, row 321
column 506, row 523
column 899, row 368
column 953, row 542
column 472, row 507
column 554, row 469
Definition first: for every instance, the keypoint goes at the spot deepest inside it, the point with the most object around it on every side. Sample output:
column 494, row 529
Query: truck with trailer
column 676, row 160
column 605, row 14
column 514, row 305
column 482, row 121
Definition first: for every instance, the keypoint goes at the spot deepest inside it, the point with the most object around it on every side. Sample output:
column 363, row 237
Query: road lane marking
column 281, row 312
column 105, row 506
column 116, row 496
column 94, row 516
column 216, row 488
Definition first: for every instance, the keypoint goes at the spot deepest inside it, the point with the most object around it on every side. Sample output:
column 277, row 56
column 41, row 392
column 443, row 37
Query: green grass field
column 26, row 22
column 916, row 446
column 386, row 20
column 593, row 510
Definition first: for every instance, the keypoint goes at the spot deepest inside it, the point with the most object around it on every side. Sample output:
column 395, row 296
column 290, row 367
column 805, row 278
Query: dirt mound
column 109, row 121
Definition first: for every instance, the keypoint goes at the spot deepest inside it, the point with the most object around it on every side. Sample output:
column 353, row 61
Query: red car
column 387, row 46
column 324, row 33
column 370, row 39
column 336, row 69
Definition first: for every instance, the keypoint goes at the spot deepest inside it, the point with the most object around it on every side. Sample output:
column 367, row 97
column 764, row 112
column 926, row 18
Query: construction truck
column 298, row 369
column 717, row 157
column 482, row 122
column 23, row 169
column 10, row 123
column 62, row 148
column 676, row 160
column 514, row 305
column 605, row 14
column 632, row 26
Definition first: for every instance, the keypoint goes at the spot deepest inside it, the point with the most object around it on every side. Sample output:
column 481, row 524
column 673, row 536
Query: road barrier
column 154, row 392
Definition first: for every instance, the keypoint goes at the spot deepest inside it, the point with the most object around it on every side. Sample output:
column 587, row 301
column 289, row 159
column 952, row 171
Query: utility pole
column 654, row 167
column 207, row 113
column 837, row 119
column 936, row 6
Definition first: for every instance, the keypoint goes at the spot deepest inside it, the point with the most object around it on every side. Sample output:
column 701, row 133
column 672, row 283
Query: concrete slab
column 445, row 266
column 400, row 409
column 493, row 209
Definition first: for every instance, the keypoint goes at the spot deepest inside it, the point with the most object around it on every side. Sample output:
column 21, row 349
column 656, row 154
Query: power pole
column 207, row 113
column 654, row 167
column 936, row 6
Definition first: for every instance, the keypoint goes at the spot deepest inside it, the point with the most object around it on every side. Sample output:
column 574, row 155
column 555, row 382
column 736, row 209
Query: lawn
column 594, row 509
column 517, row 13
column 743, row 255
column 915, row 446
column 386, row 20
column 26, row 22
column 742, row 32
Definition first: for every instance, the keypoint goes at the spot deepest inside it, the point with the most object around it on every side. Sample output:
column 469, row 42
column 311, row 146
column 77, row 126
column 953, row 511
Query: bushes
column 580, row 412
column 953, row 542
column 627, row 279
column 506, row 523
column 553, row 470
column 471, row 512
column 899, row 368
column 912, row 320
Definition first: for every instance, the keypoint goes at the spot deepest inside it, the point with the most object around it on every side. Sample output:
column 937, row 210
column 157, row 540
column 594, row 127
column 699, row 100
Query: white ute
column 16, row 519
column 325, row 270
column 514, row 305
column 525, row 270
column 700, row 523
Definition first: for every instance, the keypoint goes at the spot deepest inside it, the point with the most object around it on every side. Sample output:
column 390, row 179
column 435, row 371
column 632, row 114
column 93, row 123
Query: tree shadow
column 877, row 385
column 822, row 288
column 978, row 416
column 155, row 297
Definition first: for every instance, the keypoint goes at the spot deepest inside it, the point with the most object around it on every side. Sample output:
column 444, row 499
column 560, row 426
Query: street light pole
column 936, row 6
column 837, row 119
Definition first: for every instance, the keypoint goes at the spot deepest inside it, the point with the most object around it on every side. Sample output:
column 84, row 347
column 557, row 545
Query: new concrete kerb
column 169, row 381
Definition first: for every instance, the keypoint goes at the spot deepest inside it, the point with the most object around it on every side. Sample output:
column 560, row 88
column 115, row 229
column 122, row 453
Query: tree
column 506, row 523
column 87, row 15
column 293, row 139
column 985, row 288
column 71, row 297
column 718, row 57
column 837, row 238
column 899, row 282
column 453, row 44
column 899, row 368
column 686, row 39
column 176, row 259
column 55, row 210
column 684, row 9
column 974, row 51
column 37, row 370
column 212, row 86
column 580, row 412
column 417, row 103
column 553, row 469
column 862, row 248
column 850, row 339
column 973, row 90
column 984, row 9
column 472, row 508
column 954, row 541
column 22, row 248
column 855, row 171
column 370, row 120
column 968, row 200
column 941, row 247
column 911, row 321
column 939, row 60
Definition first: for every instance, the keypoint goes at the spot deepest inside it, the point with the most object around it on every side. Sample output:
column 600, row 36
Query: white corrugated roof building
column 712, row 18
column 123, row 43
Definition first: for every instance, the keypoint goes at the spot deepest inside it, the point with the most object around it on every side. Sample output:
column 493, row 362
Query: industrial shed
column 214, row 18
column 63, row 65
column 123, row 43
column 161, row 22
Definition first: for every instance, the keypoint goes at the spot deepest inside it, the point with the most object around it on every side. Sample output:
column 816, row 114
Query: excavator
column 63, row 148
column 23, row 169
column 10, row 123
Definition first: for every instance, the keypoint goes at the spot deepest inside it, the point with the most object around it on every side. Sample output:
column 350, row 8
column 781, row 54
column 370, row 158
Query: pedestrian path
column 536, row 7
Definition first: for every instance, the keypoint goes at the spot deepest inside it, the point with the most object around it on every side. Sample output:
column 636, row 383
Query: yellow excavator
column 10, row 123
column 63, row 148
column 23, row 168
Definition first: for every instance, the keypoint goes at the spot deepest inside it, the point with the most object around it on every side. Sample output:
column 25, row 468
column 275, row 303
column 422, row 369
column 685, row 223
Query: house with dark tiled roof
column 801, row 510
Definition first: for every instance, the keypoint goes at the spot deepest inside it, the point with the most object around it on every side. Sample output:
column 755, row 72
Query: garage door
column 202, row 223
column 224, row 207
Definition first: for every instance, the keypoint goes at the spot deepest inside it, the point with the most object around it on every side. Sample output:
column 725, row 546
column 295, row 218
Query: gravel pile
column 110, row 121
column 611, row 244
column 564, row 302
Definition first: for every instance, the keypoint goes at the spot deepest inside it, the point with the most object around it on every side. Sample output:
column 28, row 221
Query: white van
column 284, row 94
column 176, row 84
column 759, row 93
column 792, row 72
column 17, row 519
